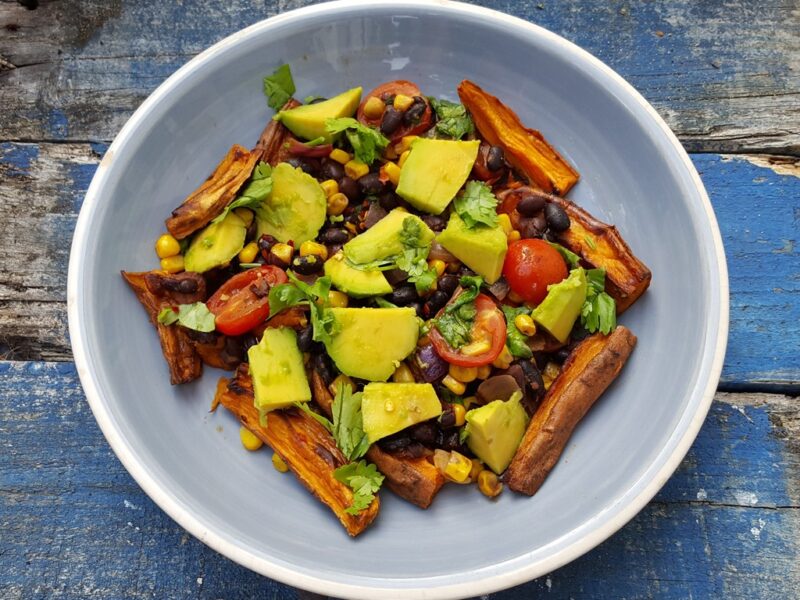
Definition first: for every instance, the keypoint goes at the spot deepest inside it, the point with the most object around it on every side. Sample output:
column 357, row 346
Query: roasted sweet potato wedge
column 271, row 144
column 304, row 445
column 414, row 479
column 589, row 370
column 526, row 149
column 211, row 198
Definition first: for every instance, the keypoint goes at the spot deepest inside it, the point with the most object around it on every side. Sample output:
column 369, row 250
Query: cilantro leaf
column 453, row 119
column 599, row 311
column 455, row 323
column 515, row 339
column 365, row 481
column 367, row 143
column 279, row 87
column 321, row 419
column 192, row 316
column 572, row 259
column 255, row 191
column 463, row 434
column 315, row 296
column 348, row 427
column 477, row 204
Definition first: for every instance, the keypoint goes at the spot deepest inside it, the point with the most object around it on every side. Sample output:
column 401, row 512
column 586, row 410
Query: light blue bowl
column 634, row 174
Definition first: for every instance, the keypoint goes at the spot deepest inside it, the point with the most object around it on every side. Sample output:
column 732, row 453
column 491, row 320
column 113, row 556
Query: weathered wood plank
column 75, row 525
column 724, row 76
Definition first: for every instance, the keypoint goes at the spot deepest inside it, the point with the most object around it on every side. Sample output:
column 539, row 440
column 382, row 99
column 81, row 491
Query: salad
column 402, row 292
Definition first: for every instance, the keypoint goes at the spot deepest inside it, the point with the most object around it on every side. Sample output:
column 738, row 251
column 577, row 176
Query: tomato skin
column 489, row 318
column 236, row 308
column 393, row 88
column 530, row 266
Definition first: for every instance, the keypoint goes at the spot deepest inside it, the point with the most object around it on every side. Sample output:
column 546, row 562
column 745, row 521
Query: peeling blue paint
column 58, row 124
column 18, row 159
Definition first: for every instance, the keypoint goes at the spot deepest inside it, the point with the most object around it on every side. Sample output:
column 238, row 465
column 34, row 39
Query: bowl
column 190, row 462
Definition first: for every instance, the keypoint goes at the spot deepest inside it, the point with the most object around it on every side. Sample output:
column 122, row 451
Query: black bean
column 497, row 387
column 350, row 188
column 447, row 284
column 395, row 442
column 495, row 158
column 435, row 302
column 309, row 165
column 305, row 339
column 388, row 200
column 403, row 295
column 424, row 432
column 371, row 184
column 414, row 450
column 334, row 235
column 331, row 169
column 417, row 306
column 529, row 227
column 322, row 365
column 557, row 217
column 265, row 243
column 248, row 341
column 533, row 377
column 435, row 222
column 415, row 111
column 450, row 440
column 307, row 265
column 392, row 119
column 561, row 354
column 530, row 204
column 448, row 418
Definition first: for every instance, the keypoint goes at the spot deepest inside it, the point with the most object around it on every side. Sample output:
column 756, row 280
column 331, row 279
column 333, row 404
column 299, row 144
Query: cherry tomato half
column 243, row 301
column 393, row 88
column 530, row 266
column 489, row 325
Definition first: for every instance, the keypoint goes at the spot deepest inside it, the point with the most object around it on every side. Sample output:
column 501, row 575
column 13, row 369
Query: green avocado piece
column 383, row 239
column 276, row 367
column 434, row 171
column 294, row 209
column 496, row 430
column 561, row 307
column 483, row 249
column 371, row 342
column 387, row 408
column 355, row 282
column 308, row 121
column 216, row 245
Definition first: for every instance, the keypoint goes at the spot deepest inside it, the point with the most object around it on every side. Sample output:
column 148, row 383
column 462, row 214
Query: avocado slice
column 483, row 249
column 276, row 367
column 434, row 171
column 561, row 307
column 308, row 121
column 383, row 239
column 372, row 341
column 496, row 430
column 294, row 209
column 216, row 245
column 355, row 282
column 387, row 408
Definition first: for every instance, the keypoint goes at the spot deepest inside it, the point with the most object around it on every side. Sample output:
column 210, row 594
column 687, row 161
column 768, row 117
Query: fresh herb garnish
column 463, row 434
column 298, row 292
column 453, row 119
column 365, row 481
column 383, row 303
column 367, row 143
column 321, row 419
column 572, row 259
column 255, row 191
column 599, row 311
column 279, row 87
column 192, row 316
column 348, row 427
column 455, row 323
column 515, row 339
column 476, row 205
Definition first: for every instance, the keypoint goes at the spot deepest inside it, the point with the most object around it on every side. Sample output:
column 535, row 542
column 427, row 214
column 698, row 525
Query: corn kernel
column 514, row 236
column 340, row 156
column 402, row 102
column 172, row 264
column 248, row 253
column 351, row 227
column 453, row 267
column 337, row 299
column 515, row 297
column 330, row 187
column 278, row 463
column 245, row 214
column 283, row 252
column 505, row 222
column 484, row 371
column 167, row 246
column 390, row 153
column 403, row 374
column 423, row 341
column 392, row 172
column 549, row 374
column 477, row 467
column 403, row 158
column 489, row 484
column 463, row 374
column 458, row 468
column 525, row 324
column 476, row 348
column 337, row 203
column 341, row 380
column 309, row 248
column 454, row 385
column 504, row 359
column 355, row 169
column 459, row 412
column 469, row 401
column 249, row 439
column 405, row 143
column 439, row 265
column 373, row 108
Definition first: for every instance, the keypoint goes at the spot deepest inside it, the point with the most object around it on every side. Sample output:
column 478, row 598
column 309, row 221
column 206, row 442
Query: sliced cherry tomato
column 393, row 88
column 530, row 266
column 243, row 301
column 489, row 325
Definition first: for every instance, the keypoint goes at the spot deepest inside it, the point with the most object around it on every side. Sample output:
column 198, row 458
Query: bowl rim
column 496, row 578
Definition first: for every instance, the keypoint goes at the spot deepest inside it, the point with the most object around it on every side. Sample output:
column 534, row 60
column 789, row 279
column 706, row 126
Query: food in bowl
column 402, row 291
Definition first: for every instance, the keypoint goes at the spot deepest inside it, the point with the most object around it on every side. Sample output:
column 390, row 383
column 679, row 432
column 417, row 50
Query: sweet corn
column 405, row 143
column 337, row 203
column 337, row 299
column 514, row 236
column 309, row 248
column 439, row 265
column 355, row 169
column 476, row 348
column 403, row 102
column 330, row 187
column 489, row 484
column 459, row 412
column 172, row 264
column 549, row 374
column 340, row 156
column 505, row 222
column 340, row 380
column 167, row 246
column 463, row 374
column 458, row 468
column 484, row 371
column 403, row 157
column 278, row 463
column 469, row 401
column 525, row 324
column 453, row 267
column 283, row 252
column 249, row 439
column 245, row 214
column 392, row 171
column 390, row 153
column 403, row 374
column 504, row 359
column 248, row 253
column 351, row 227
column 477, row 467
column 454, row 385
column 373, row 108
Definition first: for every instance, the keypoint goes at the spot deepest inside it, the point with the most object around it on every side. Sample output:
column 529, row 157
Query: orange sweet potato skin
column 271, row 143
column 586, row 374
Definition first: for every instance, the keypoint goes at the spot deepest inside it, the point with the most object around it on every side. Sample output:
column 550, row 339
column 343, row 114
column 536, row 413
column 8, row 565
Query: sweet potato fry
column 588, row 371
column 270, row 145
column 413, row 479
column 304, row 445
column 526, row 149
column 211, row 198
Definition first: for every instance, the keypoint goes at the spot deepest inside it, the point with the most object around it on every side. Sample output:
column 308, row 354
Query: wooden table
column 725, row 75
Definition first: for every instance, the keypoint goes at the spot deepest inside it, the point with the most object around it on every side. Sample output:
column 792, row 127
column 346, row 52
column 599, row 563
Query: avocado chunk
column 387, row 408
column 355, row 282
column 294, row 209
column 308, row 121
column 216, row 245
column 371, row 342
column 483, row 249
column 276, row 367
column 384, row 239
column 561, row 307
column 496, row 430
column 434, row 171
